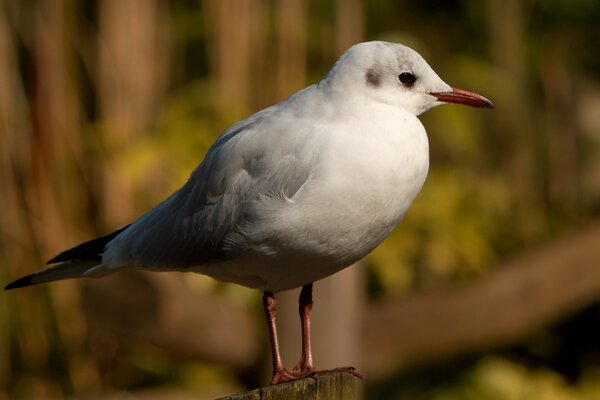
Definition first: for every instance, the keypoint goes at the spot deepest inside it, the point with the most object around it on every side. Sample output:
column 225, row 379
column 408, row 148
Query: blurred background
column 490, row 288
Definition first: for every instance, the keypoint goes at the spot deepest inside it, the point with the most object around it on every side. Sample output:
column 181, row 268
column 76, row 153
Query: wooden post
column 327, row 386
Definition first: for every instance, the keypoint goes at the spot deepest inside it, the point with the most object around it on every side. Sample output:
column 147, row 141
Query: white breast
column 373, row 171
column 369, row 175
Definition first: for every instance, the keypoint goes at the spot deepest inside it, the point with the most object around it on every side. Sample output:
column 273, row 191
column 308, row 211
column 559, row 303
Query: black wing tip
column 58, row 258
column 67, row 255
column 21, row 282
column 87, row 251
column 51, row 261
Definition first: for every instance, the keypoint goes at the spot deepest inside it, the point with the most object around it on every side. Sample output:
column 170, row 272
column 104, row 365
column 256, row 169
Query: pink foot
column 288, row 376
column 297, row 373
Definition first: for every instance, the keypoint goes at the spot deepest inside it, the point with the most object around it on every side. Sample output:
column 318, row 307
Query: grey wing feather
column 202, row 222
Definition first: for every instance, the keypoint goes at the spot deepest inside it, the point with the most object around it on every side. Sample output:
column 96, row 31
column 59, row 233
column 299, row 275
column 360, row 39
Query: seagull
column 293, row 193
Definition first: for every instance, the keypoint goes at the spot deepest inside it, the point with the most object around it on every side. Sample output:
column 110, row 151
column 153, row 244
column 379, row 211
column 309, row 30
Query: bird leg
column 305, row 367
column 280, row 374
column 270, row 306
column 305, row 304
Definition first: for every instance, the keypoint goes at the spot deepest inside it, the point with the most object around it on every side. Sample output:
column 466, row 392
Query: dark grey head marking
column 373, row 77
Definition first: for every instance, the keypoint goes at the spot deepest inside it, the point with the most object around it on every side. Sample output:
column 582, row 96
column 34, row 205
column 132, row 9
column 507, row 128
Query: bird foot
column 284, row 375
column 301, row 373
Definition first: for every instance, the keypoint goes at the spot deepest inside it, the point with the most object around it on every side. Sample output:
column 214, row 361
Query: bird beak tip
column 489, row 105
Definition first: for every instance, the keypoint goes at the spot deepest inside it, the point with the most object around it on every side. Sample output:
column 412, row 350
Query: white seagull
column 293, row 193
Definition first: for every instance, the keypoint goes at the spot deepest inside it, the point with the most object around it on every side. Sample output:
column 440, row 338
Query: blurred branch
column 534, row 290
column 169, row 313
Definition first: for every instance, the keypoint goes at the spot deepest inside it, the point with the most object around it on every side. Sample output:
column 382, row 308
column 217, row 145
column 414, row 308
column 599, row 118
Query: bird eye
column 407, row 79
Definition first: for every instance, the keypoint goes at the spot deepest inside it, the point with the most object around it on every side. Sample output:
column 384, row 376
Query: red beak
column 460, row 96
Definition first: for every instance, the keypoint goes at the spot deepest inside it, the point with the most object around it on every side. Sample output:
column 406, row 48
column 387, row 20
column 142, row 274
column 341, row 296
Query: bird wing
column 203, row 222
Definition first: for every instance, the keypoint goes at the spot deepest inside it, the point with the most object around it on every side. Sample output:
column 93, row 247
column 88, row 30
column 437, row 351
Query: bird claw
column 301, row 373
column 284, row 375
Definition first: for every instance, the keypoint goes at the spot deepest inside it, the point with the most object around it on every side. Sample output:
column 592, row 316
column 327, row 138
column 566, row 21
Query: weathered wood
column 326, row 386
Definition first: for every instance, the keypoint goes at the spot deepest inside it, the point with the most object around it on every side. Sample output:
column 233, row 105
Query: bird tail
column 66, row 270
column 74, row 263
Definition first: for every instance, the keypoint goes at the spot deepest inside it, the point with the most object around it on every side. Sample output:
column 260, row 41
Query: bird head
column 397, row 75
